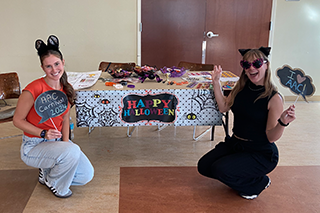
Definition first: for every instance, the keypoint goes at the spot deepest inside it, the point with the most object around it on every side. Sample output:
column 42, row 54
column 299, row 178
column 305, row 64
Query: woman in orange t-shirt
column 45, row 143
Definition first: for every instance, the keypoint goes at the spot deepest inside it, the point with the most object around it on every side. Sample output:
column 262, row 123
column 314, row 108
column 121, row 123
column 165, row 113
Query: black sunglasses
column 256, row 63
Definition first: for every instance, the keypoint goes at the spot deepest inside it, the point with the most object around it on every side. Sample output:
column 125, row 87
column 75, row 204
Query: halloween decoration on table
column 120, row 73
column 147, row 72
column 296, row 81
column 174, row 71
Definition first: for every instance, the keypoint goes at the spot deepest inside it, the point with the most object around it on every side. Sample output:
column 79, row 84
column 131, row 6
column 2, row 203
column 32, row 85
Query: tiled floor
column 182, row 189
column 109, row 149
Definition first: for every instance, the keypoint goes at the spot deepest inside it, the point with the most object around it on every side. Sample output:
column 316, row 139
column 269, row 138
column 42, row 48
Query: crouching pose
column 45, row 143
column 243, row 160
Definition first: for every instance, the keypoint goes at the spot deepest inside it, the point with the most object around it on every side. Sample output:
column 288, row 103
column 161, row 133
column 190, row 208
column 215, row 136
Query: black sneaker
column 55, row 192
column 251, row 197
column 269, row 183
column 41, row 176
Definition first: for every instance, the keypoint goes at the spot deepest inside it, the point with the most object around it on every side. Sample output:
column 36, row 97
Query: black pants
column 240, row 165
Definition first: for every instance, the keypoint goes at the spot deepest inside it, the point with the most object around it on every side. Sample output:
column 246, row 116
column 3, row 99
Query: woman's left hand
column 288, row 115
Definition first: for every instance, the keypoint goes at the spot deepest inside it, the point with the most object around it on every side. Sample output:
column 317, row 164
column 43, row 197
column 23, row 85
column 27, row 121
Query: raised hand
column 216, row 73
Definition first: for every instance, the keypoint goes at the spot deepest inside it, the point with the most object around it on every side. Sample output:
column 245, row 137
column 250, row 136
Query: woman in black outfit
column 243, row 161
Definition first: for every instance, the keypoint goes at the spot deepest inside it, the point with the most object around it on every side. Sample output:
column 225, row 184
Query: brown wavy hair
column 269, row 86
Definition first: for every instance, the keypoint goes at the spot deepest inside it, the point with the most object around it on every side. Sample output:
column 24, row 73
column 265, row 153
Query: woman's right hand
column 53, row 134
column 216, row 74
column 218, row 94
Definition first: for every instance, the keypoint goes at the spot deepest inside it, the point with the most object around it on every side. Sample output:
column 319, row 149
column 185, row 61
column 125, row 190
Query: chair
column 195, row 66
column 9, row 89
column 105, row 66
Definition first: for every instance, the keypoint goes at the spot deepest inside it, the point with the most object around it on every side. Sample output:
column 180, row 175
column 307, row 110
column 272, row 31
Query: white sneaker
column 248, row 197
column 56, row 193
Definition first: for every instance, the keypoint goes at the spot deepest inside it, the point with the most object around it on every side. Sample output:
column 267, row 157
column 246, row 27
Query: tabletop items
column 174, row 71
column 81, row 80
column 147, row 72
column 199, row 80
column 142, row 71
column 120, row 73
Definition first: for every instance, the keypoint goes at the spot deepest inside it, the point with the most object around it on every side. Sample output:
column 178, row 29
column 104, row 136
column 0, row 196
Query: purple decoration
column 120, row 73
column 174, row 71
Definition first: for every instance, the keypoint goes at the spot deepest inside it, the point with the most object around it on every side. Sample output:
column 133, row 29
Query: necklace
column 259, row 88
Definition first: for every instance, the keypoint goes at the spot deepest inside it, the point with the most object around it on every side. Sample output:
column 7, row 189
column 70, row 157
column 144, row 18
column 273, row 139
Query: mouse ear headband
column 52, row 44
column 264, row 50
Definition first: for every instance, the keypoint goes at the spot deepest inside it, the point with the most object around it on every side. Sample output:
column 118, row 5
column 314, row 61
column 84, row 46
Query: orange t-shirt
column 36, row 88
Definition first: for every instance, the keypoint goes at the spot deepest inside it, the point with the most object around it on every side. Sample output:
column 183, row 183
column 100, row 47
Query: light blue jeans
column 63, row 162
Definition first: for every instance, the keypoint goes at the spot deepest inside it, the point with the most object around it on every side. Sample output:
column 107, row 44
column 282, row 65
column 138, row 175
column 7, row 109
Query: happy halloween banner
column 160, row 107
column 180, row 107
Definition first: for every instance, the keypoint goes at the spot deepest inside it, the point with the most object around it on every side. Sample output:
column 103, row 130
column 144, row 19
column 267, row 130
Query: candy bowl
column 147, row 72
column 174, row 71
column 142, row 71
column 120, row 73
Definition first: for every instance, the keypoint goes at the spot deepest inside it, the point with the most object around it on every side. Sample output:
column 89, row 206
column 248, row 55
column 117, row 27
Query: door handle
column 210, row 34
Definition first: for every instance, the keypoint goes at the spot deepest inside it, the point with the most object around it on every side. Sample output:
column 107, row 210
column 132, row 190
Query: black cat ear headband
column 264, row 50
column 52, row 44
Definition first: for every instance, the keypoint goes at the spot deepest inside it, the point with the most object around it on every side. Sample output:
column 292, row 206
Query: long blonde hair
column 269, row 86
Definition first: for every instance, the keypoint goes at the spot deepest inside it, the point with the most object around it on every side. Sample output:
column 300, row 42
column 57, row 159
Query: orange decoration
column 109, row 83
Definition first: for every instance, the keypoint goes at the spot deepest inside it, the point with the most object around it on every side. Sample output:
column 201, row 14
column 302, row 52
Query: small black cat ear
column 265, row 50
column 243, row 51
column 40, row 44
column 53, row 42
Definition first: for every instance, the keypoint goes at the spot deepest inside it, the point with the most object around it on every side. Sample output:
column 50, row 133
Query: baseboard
column 293, row 98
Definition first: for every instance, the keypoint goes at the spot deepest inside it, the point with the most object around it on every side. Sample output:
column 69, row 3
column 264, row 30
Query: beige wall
column 295, row 41
column 89, row 31
column 96, row 30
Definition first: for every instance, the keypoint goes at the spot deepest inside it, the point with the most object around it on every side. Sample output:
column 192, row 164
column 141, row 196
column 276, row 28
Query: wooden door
column 172, row 31
column 239, row 24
